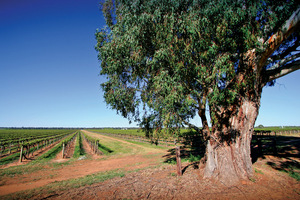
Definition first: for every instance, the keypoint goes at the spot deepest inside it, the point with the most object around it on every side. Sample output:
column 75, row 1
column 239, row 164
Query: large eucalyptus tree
column 167, row 61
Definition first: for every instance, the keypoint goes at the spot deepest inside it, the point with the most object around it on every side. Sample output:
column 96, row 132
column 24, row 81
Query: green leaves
column 165, row 59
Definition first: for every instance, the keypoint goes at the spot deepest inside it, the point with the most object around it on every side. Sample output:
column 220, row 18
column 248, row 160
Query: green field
column 135, row 132
column 278, row 128
column 183, row 132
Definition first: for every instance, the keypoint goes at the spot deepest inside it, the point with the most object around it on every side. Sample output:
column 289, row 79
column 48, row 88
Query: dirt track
column 159, row 183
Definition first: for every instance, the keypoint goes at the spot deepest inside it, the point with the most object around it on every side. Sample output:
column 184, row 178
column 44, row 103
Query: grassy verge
column 104, row 149
column 292, row 171
column 117, row 147
column 57, row 187
column 294, row 174
column 79, row 151
column 19, row 170
column 31, row 168
column 288, row 167
column 113, row 146
column 148, row 145
column 10, row 158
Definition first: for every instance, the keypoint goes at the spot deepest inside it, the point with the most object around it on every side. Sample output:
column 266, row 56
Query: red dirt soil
column 160, row 183
column 156, row 182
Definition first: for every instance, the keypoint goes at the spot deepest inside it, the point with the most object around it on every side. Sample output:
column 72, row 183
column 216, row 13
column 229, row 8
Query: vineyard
column 42, row 149
column 64, row 164
column 186, row 135
column 19, row 145
column 136, row 135
column 23, row 143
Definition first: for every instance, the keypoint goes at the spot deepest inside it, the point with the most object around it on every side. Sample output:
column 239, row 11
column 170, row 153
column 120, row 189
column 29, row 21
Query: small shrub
column 252, row 179
column 193, row 158
column 173, row 174
column 258, row 171
column 171, row 161
column 294, row 175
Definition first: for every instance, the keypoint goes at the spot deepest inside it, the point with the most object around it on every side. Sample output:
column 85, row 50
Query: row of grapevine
column 67, row 142
column 137, row 135
column 124, row 131
column 12, row 140
column 21, row 135
column 93, row 142
column 34, row 145
column 276, row 132
column 56, row 149
column 144, row 139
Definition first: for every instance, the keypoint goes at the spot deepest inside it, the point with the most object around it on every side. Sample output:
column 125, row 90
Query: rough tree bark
column 228, row 151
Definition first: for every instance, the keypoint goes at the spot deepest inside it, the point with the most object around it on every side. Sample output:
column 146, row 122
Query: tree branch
column 192, row 126
column 202, row 115
column 292, row 24
column 286, row 52
column 284, row 61
column 282, row 71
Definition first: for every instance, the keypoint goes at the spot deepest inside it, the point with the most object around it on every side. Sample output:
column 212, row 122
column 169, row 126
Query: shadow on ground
column 286, row 152
column 287, row 148
column 192, row 150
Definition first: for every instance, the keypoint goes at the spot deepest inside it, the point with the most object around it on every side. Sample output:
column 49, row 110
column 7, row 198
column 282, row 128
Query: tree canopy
column 166, row 61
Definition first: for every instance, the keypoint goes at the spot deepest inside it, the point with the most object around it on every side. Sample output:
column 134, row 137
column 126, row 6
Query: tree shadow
column 105, row 149
column 192, row 150
column 287, row 152
column 195, row 165
column 286, row 146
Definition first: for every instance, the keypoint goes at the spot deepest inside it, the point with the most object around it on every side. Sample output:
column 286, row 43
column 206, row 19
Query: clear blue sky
column 49, row 72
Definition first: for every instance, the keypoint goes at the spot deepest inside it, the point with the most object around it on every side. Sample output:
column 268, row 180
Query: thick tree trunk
column 228, row 151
